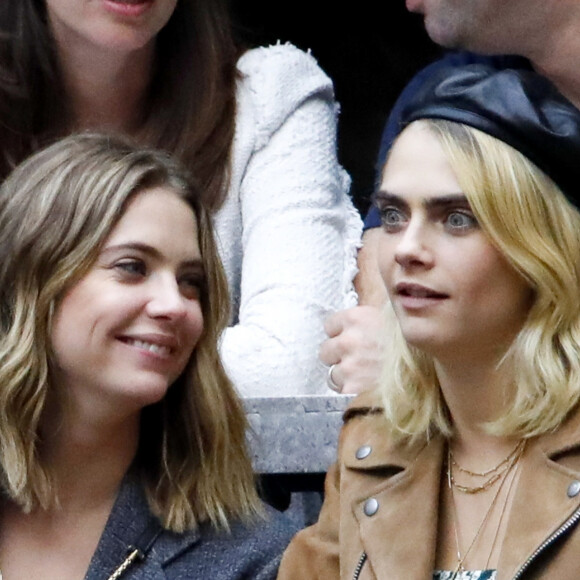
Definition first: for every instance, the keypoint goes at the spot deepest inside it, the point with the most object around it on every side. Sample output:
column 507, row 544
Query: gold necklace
column 461, row 559
column 503, row 466
column 505, row 460
column 503, row 510
column 134, row 555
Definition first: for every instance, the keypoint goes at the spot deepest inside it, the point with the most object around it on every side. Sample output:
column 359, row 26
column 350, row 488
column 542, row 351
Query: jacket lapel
column 404, row 483
column 545, row 497
column 129, row 518
column 401, row 534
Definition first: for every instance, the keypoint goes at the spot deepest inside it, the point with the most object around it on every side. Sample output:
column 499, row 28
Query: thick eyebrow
column 385, row 197
column 149, row 251
column 444, row 201
column 432, row 203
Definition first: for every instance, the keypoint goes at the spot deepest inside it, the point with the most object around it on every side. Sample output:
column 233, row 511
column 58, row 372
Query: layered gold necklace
column 493, row 474
column 498, row 473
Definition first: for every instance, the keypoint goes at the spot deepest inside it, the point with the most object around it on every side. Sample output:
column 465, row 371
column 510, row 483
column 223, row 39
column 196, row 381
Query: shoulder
column 368, row 405
column 276, row 81
column 246, row 550
column 367, row 443
column 364, row 427
column 271, row 532
column 280, row 68
column 563, row 444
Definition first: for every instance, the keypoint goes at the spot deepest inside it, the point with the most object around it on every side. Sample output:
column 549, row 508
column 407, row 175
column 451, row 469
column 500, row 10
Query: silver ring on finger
column 330, row 382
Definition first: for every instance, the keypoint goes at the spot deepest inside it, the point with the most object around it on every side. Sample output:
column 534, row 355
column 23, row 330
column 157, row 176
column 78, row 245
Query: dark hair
column 189, row 109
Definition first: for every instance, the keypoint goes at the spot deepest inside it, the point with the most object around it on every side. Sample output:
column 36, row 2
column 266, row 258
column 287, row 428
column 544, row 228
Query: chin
column 146, row 393
column 430, row 342
column 421, row 340
column 443, row 38
column 442, row 32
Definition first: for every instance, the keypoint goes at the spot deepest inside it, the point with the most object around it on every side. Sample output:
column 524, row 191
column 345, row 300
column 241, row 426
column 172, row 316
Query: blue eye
column 392, row 218
column 460, row 221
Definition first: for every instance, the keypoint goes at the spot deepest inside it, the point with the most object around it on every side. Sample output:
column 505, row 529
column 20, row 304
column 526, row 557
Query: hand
column 369, row 283
column 356, row 347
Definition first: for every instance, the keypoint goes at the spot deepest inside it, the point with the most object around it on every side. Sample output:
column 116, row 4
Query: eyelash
column 465, row 215
column 195, row 285
column 395, row 226
column 132, row 270
column 388, row 211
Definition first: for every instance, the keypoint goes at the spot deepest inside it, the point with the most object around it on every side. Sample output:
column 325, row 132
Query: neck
column 556, row 54
column 475, row 393
column 106, row 90
column 88, row 456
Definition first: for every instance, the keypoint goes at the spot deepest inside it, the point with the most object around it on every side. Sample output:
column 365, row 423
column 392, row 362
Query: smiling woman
column 127, row 329
column 120, row 433
column 108, row 25
column 256, row 127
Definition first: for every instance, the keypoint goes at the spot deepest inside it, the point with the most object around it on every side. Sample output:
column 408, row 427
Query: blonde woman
column 465, row 463
column 122, row 441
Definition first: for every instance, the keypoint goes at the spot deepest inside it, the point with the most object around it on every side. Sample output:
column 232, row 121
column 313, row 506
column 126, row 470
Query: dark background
column 370, row 50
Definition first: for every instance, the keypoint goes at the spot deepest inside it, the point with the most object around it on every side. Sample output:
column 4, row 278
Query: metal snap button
column 363, row 451
column 371, row 507
column 574, row 488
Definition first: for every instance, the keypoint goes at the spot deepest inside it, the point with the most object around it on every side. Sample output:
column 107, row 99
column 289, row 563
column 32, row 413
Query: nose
column 414, row 248
column 165, row 299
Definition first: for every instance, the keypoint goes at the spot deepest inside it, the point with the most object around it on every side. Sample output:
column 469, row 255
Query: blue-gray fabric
column 246, row 552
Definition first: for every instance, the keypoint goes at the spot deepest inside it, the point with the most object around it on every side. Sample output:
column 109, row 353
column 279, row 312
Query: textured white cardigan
column 287, row 231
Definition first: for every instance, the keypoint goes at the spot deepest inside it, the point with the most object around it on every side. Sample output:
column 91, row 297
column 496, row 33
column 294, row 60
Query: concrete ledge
column 295, row 434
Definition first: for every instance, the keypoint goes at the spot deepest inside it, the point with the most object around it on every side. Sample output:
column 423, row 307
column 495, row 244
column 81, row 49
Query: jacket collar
column 405, row 481
column 129, row 519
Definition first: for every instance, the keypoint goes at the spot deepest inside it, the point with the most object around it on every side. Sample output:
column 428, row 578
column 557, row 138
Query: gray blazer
column 246, row 552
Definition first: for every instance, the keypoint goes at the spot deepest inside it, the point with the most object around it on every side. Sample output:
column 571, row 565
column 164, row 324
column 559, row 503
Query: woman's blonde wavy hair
column 56, row 211
column 537, row 230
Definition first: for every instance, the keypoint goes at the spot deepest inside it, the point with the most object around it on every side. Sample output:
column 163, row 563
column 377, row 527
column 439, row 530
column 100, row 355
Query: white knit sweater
column 287, row 231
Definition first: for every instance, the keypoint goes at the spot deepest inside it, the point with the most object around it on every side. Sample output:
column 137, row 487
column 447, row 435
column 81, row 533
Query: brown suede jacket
column 379, row 518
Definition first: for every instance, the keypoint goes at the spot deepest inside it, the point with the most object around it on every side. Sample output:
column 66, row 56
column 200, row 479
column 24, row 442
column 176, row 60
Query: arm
column 331, row 548
column 299, row 231
column 356, row 340
column 369, row 282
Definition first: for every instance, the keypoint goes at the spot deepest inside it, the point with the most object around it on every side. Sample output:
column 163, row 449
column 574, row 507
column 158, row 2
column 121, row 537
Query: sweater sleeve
column 300, row 231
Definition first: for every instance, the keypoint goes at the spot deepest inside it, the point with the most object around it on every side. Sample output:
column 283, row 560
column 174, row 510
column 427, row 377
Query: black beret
column 519, row 107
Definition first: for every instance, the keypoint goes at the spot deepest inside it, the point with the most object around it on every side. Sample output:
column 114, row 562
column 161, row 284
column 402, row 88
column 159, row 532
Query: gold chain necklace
column 501, row 515
column 137, row 552
column 495, row 472
column 134, row 555
column 505, row 460
column 461, row 558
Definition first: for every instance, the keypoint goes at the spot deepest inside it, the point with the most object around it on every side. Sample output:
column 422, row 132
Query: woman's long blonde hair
column 56, row 211
column 537, row 230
